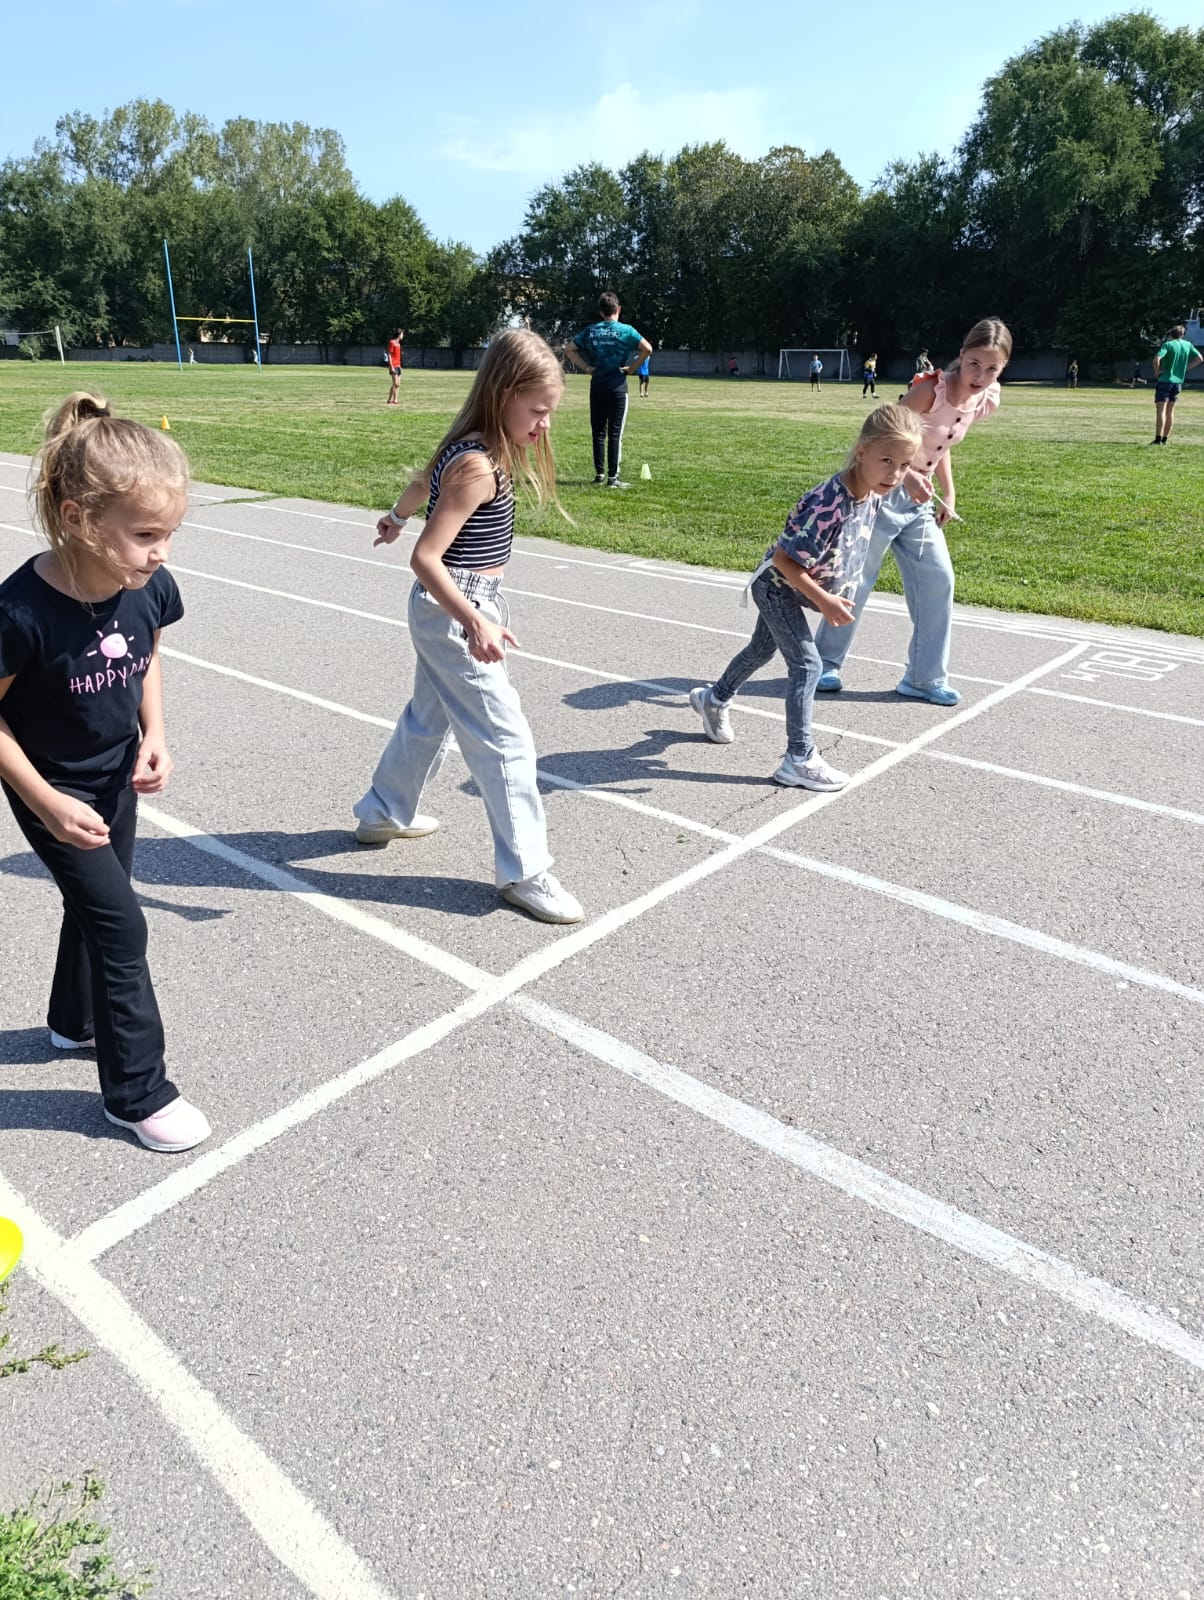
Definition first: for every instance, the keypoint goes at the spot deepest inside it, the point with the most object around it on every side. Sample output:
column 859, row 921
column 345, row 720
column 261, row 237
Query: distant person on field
column 816, row 566
column 817, row 369
column 393, row 351
column 923, row 365
column 733, row 370
column 1173, row 362
column 1136, row 378
column 1072, row 374
column 605, row 350
column 948, row 404
column 869, row 375
column 641, row 373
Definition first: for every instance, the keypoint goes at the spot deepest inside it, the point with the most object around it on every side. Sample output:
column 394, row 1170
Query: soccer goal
column 15, row 336
column 797, row 363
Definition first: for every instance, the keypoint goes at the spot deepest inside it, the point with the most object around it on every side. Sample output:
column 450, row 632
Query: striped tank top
column 486, row 537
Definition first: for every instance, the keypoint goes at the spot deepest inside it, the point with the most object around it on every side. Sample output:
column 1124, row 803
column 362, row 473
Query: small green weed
column 51, row 1549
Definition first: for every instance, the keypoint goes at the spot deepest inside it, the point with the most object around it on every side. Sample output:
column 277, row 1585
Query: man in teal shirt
column 1171, row 366
column 608, row 350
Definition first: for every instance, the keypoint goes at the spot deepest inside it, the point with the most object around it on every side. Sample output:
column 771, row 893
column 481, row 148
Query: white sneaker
column 544, row 898
column 617, row 483
column 382, row 832
column 178, row 1126
column 812, row 774
column 60, row 1041
column 716, row 719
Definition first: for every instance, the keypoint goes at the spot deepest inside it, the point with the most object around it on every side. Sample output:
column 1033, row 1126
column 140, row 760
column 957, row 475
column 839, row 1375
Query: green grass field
column 1068, row 508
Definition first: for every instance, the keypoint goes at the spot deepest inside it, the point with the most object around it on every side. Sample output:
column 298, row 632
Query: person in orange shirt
column 394, row 354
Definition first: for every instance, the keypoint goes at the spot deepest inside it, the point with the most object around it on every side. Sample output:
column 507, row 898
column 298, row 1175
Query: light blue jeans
column 922, row 556
column 475, row 701
column 781, row 625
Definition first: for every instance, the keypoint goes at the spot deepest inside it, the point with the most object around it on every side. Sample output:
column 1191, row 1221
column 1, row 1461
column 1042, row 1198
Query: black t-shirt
column 77, row 670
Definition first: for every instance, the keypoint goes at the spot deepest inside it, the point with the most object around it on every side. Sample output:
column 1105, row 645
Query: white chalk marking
column 362, row 921
column 996, row 927
column 1109, row 795
column 290, row 1525
column 1003, row 1251
column 1113, row 705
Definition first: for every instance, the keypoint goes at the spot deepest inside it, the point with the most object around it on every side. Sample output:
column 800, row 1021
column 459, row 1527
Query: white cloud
column 613, row 129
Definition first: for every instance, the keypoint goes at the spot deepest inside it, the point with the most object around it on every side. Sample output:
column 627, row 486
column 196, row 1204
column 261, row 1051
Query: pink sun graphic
column 112, row 646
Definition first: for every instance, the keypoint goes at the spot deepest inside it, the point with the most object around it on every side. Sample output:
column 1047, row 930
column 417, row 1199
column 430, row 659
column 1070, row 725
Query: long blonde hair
column 515, row 360
column 92, row 457
column 986, row 334
column 888, row 424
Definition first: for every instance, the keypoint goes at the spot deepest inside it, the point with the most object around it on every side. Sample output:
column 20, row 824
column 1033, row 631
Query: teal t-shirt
column 1180, row 352
column 608, row 345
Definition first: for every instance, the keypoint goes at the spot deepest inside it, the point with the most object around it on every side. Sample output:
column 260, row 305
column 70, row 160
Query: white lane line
column 362, row 921
column 289, row 1524
column 981, row 922
column 1004, row 1252
column 569, row 944
column 400, row 622
column 1066, row 787
column 184, row 1181
column 1113, row 705
column 995, row 927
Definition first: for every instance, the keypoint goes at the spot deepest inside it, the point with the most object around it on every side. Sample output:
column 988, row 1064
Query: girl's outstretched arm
column 944, row 476
column 71, row 821
column 412, row 497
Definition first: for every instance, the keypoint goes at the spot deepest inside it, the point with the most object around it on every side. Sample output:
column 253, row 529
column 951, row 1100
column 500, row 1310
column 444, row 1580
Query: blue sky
column 466, row 109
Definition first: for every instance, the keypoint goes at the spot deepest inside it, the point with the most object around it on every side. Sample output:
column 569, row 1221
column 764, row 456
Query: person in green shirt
column 1171, row 365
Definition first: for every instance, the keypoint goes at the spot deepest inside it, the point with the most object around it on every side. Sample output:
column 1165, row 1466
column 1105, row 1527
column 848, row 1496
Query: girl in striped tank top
column 461, row 688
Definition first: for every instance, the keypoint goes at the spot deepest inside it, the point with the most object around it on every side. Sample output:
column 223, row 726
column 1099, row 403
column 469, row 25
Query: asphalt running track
column 821, row 1217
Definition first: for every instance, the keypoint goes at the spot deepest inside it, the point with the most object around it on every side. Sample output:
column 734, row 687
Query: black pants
column 607, row 414
column 871, row 385
column 102, row 985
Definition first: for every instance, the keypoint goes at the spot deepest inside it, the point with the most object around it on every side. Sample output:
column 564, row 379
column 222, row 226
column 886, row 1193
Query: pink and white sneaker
column 177, row 1126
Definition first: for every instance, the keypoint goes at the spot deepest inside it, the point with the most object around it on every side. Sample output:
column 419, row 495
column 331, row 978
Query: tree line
column 1074, row 207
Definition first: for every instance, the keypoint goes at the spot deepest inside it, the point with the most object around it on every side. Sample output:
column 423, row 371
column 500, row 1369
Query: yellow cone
column 645, row 471
column 164, row 425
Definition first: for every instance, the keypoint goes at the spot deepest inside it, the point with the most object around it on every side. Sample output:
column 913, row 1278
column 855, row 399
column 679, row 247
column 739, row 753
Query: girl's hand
column 152, row 768
column 386, row 531
column 487, row 640
column 918, row 486
column 837, row 610
column 74, row 822
column 945, row 511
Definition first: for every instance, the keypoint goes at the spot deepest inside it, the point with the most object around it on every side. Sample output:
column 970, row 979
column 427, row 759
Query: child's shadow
column 55, row 1110
column 27, row 865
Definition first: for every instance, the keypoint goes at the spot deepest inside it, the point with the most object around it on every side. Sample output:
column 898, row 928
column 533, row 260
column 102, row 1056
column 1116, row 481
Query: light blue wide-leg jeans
column 476, row 701
column 922, row 556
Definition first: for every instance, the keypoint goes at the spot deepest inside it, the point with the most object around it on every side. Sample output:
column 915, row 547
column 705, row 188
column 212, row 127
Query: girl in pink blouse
column 911, row 526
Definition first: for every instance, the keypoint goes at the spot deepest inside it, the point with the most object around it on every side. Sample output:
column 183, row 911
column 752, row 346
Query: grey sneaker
column 382, row 832
column 599, row 477
column 544, row 898
column 812, row 774
column 716, row 719
column 617, row 483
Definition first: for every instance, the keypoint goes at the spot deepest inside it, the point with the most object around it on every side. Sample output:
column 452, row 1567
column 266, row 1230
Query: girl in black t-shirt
column 81, row 736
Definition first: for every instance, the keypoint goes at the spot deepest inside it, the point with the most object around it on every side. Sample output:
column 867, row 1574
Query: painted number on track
column 1121, row 664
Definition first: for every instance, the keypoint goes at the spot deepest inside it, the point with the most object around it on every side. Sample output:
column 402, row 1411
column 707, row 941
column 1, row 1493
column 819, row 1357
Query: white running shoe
column 812, row 774
column 382, row 832
column 617, row 483
column 60, row 1041
column 544, row 898
column 716, row 719
column 178, row 1126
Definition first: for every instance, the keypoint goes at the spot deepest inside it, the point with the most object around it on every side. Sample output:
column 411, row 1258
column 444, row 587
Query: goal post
column 795, row 364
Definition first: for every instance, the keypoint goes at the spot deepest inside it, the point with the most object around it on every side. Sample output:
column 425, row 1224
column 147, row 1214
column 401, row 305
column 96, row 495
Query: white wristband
column 398, row 522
